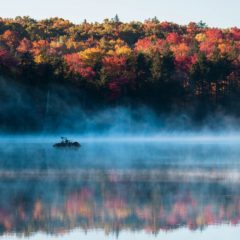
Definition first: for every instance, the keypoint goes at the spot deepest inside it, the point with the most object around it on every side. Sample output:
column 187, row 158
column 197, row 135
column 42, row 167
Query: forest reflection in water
column 54, row 207
column 59, row 192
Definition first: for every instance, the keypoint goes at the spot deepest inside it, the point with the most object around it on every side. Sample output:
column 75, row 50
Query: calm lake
column 120, row 190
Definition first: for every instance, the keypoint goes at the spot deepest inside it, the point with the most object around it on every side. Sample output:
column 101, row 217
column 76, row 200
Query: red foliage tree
column 24, row 46
column 214, row 35
column 115, row 68
column 6, row 59
column 11, row 39
column 173, row 38
column 76, row 65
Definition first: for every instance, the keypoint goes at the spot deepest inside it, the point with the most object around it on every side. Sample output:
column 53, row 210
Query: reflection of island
column 55, row 207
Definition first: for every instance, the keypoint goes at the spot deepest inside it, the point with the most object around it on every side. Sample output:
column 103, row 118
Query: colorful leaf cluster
column 118, row 206
column 156, row 61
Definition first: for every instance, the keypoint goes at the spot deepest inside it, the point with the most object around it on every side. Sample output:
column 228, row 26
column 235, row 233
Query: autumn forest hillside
column 50, row 66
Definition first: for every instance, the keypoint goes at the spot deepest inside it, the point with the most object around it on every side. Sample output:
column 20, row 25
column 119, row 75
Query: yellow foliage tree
column 201, row 37
column 123, row 51
column 38, row 59
column 91, row 56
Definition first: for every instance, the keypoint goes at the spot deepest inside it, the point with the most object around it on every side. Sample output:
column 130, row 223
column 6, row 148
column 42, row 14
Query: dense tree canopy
column 160, row 64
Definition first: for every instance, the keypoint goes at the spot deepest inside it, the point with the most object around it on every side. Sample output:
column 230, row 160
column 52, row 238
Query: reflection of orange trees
column 37, row 211
column 116, row 208
column 6, row 221
column 126, row 208
column 144, row 213
column 79, row 204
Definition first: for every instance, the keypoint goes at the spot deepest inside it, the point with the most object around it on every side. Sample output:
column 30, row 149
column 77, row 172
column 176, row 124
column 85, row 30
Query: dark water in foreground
column 125, row 190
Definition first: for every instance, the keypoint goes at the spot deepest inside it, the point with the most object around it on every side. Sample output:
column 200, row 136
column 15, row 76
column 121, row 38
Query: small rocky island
column 65, row 143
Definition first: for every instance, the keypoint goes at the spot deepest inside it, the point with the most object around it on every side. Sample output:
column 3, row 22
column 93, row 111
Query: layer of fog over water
column 178, row 152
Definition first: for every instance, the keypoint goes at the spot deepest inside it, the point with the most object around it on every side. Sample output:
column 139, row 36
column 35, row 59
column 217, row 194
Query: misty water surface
column 116, row 153
column 119, row 189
